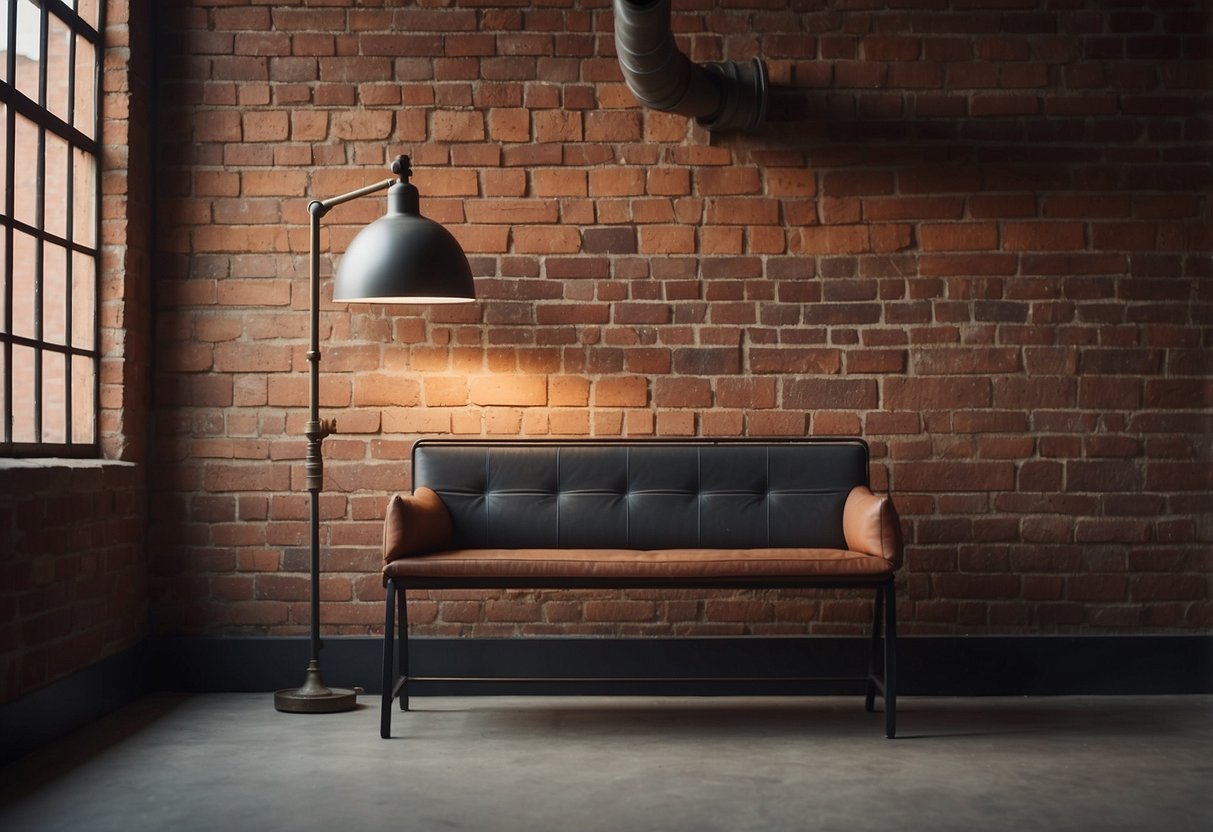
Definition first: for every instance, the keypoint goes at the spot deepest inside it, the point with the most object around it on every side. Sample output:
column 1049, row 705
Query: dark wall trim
column 929, row 666
column 73, row 702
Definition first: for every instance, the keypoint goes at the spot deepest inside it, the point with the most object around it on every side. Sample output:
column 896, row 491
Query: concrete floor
column 231, row 762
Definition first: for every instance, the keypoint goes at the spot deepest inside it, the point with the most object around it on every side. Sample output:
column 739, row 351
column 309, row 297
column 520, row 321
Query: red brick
column 796, row 361
column 217, row 126
column 621, row 181
column 612, row 126
column 896, row 208
column 722, row 181
column 958, row 237
column 838, row 239
column 970, row 360
column 978, row 586
column 540, row 240
column 673, row 239
column 891, row 48
column 746, row 393
column 830, row 394
column 876, row 361
column 1045, row 236
column 621, row 392
column 940, row 393
column 682, row 393
column 743, row 211
column 556, row 182
column 1107, row 588
column 790, row 182
column 945, row 265
column 457, row 126
column 1004, row 105
column 857, row 183
column 619, row 610
column 1167, row 588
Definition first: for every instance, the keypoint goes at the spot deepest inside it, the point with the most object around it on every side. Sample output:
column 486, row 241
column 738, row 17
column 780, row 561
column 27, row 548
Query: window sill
column 23, row 478
column 53, row 463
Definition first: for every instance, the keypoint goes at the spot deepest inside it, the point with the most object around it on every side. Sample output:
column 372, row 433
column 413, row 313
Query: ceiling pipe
column 726, row 95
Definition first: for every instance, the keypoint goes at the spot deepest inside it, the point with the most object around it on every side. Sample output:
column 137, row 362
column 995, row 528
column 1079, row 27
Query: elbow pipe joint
column 725, row 95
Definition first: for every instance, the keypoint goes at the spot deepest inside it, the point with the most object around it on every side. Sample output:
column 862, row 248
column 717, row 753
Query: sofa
column 618, row 514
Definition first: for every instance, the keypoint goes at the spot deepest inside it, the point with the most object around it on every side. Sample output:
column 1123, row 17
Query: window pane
column 87, row 9
column 23, row 394
column 25, row 185
column 3, row 393
column 3, row 294
column 3, row 155
column 84, row 289
column 84, row 114
column 24, row 247
column 58, row 68
column 56, row 206
column 84, row 191
column 54, row 398
column 54, row 294
column 83, row 423
column 28, row 47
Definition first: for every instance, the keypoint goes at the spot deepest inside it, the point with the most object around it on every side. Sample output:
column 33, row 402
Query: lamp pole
column 313, row 696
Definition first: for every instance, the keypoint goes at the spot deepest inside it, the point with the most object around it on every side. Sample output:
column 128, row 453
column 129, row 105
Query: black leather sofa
column 694, row 514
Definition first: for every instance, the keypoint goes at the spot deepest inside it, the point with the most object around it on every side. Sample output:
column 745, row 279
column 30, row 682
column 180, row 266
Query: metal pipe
column 724, row 95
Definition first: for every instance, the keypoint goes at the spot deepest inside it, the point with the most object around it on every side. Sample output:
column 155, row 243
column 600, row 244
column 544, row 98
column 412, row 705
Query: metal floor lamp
column 402, row 257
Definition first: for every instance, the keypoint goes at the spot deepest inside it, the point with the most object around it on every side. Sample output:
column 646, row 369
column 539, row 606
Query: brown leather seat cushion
column 649, row 565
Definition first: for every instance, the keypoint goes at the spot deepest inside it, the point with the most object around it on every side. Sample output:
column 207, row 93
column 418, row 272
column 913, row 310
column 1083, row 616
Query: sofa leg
column 402, row 635
column 890, row 661
column 389, row 628
column 874, row 663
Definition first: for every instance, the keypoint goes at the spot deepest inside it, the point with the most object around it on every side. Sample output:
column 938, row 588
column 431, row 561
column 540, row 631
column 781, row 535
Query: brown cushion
column 415, row 525
column 660, row 564
column 871, row 525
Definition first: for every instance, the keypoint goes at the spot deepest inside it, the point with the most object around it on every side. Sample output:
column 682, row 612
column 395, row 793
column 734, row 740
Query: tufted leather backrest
column 644, row 494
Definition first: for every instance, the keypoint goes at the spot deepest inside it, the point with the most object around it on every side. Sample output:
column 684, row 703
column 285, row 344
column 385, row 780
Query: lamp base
column 313, row 697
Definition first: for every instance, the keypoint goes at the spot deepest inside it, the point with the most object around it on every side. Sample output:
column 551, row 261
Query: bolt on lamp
column 402, row 257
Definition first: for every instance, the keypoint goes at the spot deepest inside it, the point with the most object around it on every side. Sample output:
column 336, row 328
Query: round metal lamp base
column 293, row 701
column 314, row 697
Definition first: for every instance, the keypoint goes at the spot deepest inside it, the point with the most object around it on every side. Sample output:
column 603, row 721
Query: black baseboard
column 73, row 702
column 929, row 666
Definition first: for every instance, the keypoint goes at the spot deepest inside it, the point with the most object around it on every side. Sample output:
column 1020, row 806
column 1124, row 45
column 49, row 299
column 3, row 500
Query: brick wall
column 73, row 570
column 73, row 574
column 976, row 233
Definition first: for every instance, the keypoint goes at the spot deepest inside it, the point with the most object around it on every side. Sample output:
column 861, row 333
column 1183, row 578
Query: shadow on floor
column 45, row 765
column 934, row 719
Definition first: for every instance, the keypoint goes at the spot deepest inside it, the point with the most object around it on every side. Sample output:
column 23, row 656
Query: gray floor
column 231, row 762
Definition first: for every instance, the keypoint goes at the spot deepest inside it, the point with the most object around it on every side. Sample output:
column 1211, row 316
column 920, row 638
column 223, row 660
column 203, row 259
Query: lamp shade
column 402, row 257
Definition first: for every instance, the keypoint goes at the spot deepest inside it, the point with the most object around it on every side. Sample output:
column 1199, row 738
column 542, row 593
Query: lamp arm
column 323, row 206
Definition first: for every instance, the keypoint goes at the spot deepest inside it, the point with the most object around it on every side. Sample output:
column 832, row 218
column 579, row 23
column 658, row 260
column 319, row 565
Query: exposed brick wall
column 73, row 569
column 975, row 233
column 73, row 574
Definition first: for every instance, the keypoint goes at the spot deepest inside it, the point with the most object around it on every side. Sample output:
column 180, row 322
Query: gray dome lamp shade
column 402, row 257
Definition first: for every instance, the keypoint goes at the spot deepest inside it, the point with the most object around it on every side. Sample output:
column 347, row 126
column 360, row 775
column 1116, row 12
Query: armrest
column 416, row 525
column 870, row 525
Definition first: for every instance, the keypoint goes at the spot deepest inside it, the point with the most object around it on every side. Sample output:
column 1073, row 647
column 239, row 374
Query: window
column 50, row 226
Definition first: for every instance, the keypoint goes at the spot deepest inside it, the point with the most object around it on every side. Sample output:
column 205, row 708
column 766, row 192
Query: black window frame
column 16, row 103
